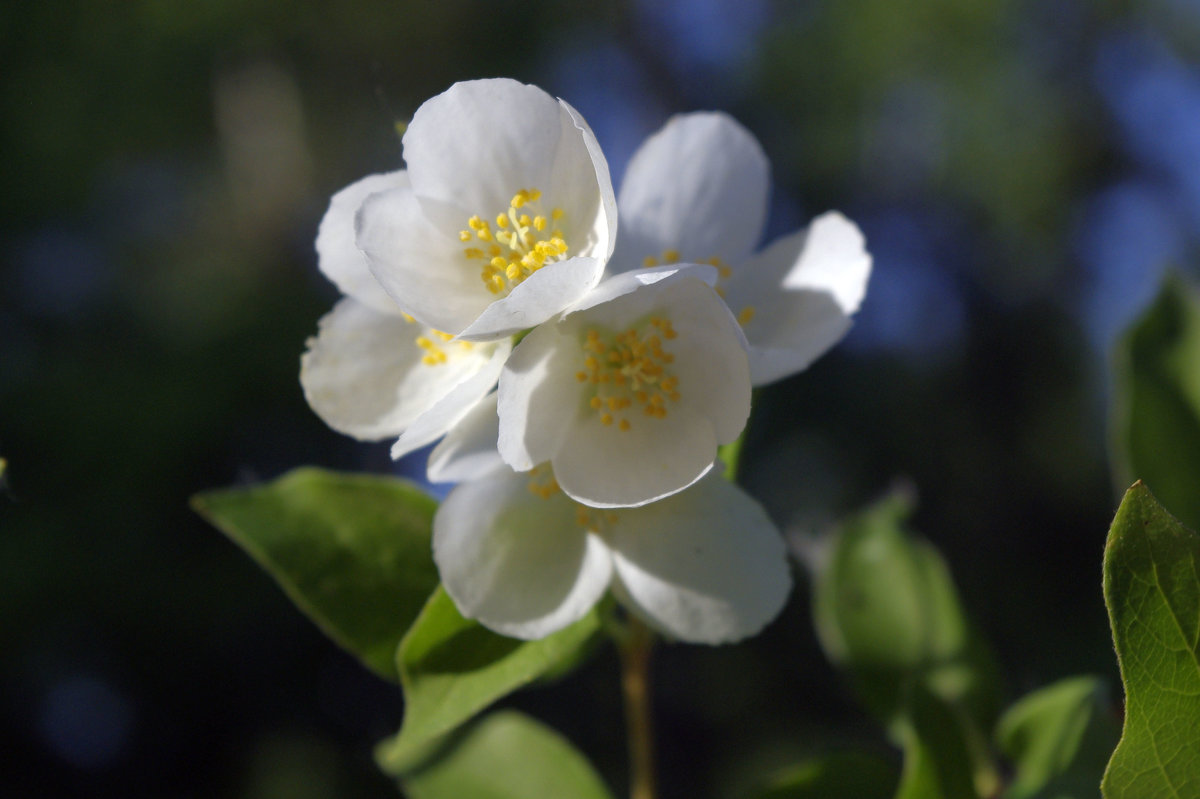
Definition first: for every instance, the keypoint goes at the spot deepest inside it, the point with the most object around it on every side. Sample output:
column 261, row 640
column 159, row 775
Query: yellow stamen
column 746, row 315
column 518, row 247
column 625, row 368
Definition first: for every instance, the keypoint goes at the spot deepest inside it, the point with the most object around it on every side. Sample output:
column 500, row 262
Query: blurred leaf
column 1155, row 421
column 937, row 744
column 1152, row 589
column 887, row 611
column 451, row 668
column 352, row 551
column 506, row 755
column 842, row 775
column 1059, row 739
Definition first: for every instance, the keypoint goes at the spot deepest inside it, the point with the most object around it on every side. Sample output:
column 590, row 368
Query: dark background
column 1023, row 171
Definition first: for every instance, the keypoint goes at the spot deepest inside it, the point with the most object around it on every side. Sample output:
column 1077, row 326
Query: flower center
column 724, row 272
column 629, row 369
column 435, row 345
column 525, row 240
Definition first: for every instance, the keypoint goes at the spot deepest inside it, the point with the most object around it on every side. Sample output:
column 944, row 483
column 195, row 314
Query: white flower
column 509, row 216
column 516, row 554
column 372, row 372
column 629, row 394
column 696, row 192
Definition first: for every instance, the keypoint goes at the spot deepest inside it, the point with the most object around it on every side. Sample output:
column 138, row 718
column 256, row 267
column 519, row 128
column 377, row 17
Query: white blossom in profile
column 372, row 371
column 515, row 553
column 696, row 192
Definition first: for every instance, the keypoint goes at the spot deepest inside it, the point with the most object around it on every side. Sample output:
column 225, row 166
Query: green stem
column 635, row 650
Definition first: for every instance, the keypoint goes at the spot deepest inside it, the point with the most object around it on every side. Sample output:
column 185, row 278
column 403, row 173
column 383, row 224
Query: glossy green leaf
column 1058, row 739
column 842, row 775
column 451, row 668
column 886, row 611
column 352, row 551
column 1152, row 589
column 506, row 755
column 1155, row 422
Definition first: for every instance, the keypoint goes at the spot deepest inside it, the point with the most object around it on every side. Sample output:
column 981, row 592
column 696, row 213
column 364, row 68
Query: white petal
column 803, row 289
column 625, row 283
column 605, row 467
column 454, row 405
column 468, row 451
column 698, row 186
column 710, row 357
column 479, row 142
column 517, row 563
column 540, row 296
column 835, row 260
column 538, row 397
column 363, row 374
column 705, row 566
column 421, row 266
column 337, row 254
column 582, row 187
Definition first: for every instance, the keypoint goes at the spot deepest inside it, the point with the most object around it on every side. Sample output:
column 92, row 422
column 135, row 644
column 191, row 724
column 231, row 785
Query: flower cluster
column 620, row 363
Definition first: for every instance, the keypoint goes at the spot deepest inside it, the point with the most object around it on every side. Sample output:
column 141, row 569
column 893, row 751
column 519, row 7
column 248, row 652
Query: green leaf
column 1155, row 421
column 451, row 668
column 506, row 755
column 841, row 775
column 352, row 551
column 1059, row 739
column 1152, row 589
column 939, row 761
column 886, row 610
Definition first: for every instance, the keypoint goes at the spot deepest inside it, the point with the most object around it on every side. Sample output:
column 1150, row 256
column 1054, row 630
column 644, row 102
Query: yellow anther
column 556, row 214
column 746, row 315
column 443, row 336
column 408, row 318
column 424, row 343
column 519, row 246
column 670, row 256
column 624, row 368
column 649, row 261
column 724, row 272
column 464, row 235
